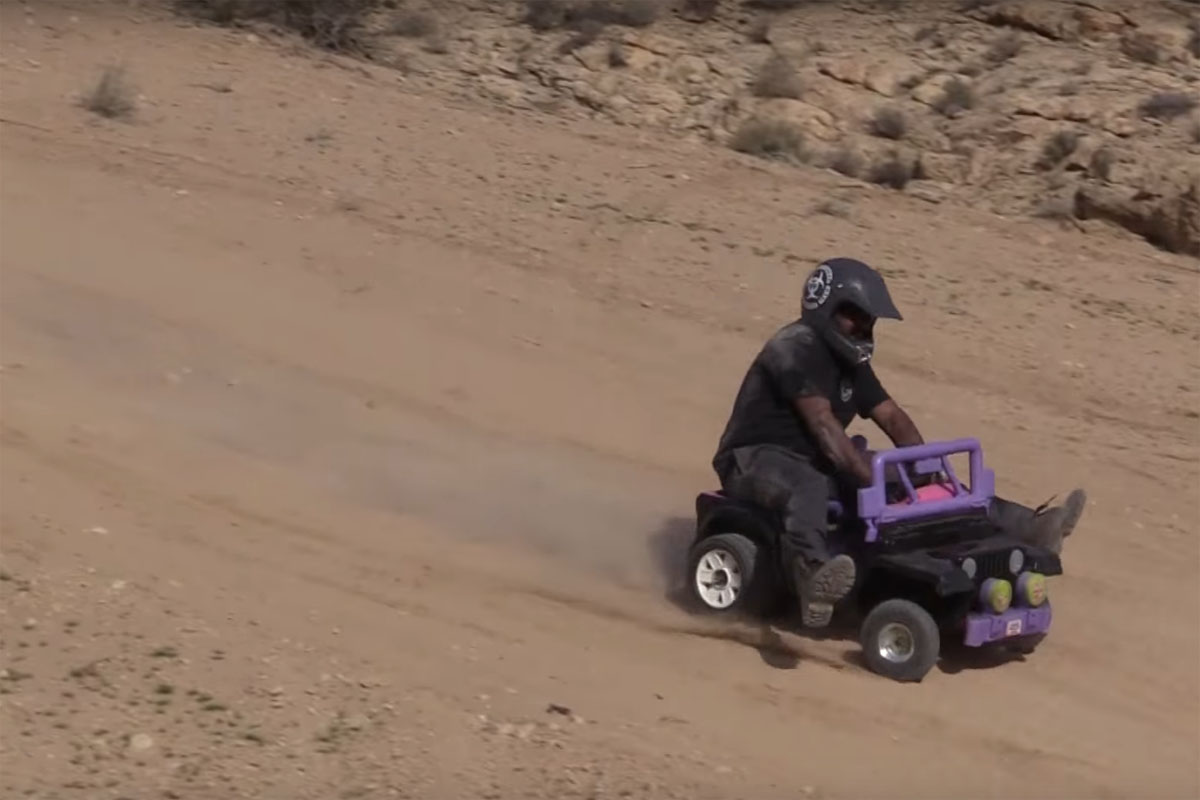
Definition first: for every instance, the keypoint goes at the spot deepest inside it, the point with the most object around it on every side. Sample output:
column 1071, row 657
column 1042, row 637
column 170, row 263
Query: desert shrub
column 894, row 172
column 957, row 96
column 413, row 24
column 778, row 78
column 1141, row 47
column 889, row 123
column 338, row 25
column 847, row 162
column 1167, row 105
column 1004, row 48
column 769, row 139
column 1101, row 163
column 110, row 96
column 1059, row 146
column 544, row 15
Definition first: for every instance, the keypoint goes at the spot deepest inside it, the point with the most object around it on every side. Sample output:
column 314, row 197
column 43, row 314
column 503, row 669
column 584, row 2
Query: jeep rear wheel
column 728, row 575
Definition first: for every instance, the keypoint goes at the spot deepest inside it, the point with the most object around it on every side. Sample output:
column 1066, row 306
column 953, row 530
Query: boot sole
column 1074, row 504
column 828, row 585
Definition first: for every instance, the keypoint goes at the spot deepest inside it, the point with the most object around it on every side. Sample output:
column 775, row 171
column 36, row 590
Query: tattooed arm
column 896, row 423
column 817, row 413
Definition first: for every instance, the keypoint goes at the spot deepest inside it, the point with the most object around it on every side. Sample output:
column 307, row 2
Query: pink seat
column 925, row 494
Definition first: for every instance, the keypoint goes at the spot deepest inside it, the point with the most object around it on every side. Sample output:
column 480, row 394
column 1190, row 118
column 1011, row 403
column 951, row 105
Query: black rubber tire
column 758, row 586
column 926, row 640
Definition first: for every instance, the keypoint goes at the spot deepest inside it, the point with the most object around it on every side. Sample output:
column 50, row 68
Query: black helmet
column 846, row 281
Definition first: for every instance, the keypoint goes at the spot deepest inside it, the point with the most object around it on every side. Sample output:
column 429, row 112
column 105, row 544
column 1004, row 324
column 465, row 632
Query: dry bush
column 111, row 96
column 832, row 208
column 587, row 32
column 958, row 96
column 889, row 123
column 700, row 10
column 414, row 24
column 893, row 171
column 1101, row 163
column 847, row 162
column 931, row 33
column 760, row 30
column 1141, row 47
column 544, row 15
column 1004, row 48
column 338, row 25
column 770, row 139
column 617, row 57
column 638, row 13
column 1167, row 105
column 778, row 78
column 1060, row 207
column 775, row 5
column 1058, row 147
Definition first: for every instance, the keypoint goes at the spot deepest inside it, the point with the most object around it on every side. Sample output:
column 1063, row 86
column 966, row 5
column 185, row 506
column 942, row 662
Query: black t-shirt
column 795, row 362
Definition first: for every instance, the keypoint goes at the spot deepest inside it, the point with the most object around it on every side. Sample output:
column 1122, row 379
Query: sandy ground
column 346, row 429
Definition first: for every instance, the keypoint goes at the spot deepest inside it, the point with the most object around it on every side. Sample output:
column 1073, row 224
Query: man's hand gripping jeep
column 931, row 564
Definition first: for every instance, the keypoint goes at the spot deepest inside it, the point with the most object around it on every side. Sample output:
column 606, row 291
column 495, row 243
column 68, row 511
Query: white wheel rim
column 896, row 643
column 718, row 578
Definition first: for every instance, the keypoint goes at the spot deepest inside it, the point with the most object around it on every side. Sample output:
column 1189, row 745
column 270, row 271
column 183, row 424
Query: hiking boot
column 1074, row 504
column 820, row 589
column 1050, row 526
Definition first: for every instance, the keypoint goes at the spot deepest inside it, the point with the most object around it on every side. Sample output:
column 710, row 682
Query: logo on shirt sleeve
column 818, row 287
column 847, row 389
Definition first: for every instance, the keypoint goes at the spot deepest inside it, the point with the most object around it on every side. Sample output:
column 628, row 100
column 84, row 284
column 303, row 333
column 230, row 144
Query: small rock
column 555, row 708
column 140, row 742
column 932, row 90
column 689, row 69
column 118, row 585
column 29, row 624
column 98, row 530
column 357, row 722
column 276, row 691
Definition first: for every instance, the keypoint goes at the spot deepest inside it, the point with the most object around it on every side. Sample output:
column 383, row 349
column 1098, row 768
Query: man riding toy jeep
column 785, row 447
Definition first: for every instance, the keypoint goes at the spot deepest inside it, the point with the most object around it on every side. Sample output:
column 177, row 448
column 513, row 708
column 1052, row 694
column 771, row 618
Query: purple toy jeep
column 932, row 565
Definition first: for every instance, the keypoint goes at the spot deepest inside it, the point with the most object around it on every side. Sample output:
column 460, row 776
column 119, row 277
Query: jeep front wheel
column 900, row 640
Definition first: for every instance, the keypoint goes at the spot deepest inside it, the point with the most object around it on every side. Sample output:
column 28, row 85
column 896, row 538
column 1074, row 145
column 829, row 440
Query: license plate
column 1013, row 628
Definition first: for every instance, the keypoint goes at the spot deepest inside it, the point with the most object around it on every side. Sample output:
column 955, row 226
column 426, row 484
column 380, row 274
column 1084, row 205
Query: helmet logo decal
column 818, row 287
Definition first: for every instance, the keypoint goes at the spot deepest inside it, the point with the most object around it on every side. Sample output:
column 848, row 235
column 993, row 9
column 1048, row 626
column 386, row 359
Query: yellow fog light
column 996, row 595
column 1031, row 588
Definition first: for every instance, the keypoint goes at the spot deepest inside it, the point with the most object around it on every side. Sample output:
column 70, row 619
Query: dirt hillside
column 352, row 422
column 1082, row 112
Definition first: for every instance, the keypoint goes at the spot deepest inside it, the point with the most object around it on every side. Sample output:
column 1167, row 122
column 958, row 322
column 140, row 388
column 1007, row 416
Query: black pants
column 785, row 481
